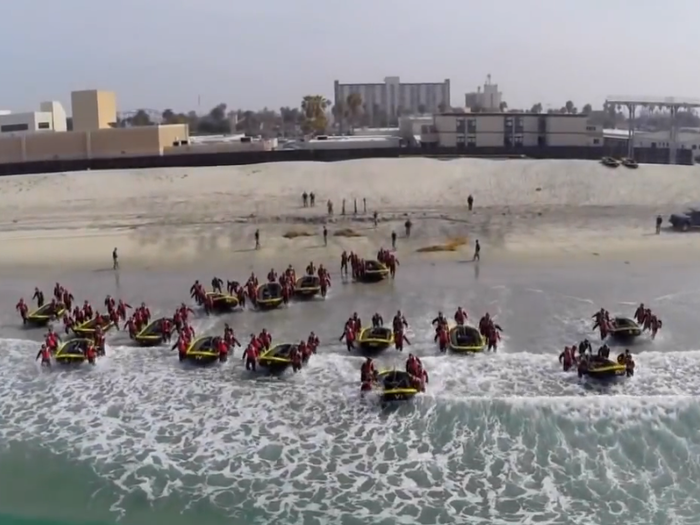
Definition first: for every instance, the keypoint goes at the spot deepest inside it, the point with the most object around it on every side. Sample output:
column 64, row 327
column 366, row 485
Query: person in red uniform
column 250, row 355
column 22, row 308
column 45, row 355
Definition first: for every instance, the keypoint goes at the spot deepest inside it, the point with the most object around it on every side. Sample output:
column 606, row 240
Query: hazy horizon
column 170, row 54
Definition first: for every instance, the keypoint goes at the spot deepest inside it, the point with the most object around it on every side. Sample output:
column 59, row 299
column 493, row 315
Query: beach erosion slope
column 208, row 216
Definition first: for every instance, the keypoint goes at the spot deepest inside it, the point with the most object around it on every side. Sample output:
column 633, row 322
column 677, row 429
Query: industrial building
column 487, row 100
column 494, row 130
column 395, row 98
column 50, row 117
column 42, row 136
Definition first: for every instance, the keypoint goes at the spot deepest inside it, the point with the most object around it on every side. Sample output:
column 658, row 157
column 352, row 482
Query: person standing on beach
column 376, row 219
column 393, row 239
column 477, row 251
column 257, row 239
column 312, row 199
column 325, row 235
column 659, row 221
column 305, row 199
column 470, row 202
column 364, row 205
column 115, row 260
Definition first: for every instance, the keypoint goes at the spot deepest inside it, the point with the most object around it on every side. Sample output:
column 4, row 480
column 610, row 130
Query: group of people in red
column 488, row 328
column 642, row 315
column 647, row 320
column 62, row 299
column 417, row 374
column 353, row 327
column 357, row 265
column 287, row 281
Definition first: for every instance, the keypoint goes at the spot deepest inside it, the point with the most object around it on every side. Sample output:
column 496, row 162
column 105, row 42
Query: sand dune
column 185, row 215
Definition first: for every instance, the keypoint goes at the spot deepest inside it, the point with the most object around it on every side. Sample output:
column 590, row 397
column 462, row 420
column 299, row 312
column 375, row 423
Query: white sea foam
column 497, row 436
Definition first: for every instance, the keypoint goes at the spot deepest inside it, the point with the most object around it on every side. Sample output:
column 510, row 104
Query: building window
column 471, row 125
column 518, row 140
column 471, row 141
column 591, row 128
column 44, row 125
column 8, row 128
column 596, row 142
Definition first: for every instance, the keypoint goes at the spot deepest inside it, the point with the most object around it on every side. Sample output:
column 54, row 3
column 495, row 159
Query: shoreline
column 206, row 217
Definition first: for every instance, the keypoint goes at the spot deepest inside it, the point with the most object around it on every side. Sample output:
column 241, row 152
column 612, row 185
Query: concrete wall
column 55, row 146
column 103, row 143
column 93, row 109
column 11, row 150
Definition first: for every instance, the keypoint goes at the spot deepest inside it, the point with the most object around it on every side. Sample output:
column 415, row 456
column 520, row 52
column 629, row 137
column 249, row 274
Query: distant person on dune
column 477, row 251
column 470, row 202
column 257, row 239
column 115, row 260
column 659, row 221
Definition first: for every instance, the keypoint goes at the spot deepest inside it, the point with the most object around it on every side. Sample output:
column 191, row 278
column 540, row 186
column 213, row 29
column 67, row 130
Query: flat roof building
column 395, row 98
column 93, row 109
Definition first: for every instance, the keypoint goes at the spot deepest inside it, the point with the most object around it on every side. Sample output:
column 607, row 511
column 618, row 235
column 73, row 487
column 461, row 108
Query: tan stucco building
column 93, row 109
column 497, row 130
column 100, row 143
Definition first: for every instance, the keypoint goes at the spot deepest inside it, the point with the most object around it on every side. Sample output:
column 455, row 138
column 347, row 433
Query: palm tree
column 354, row 103
column 536, row 108
column 314, row 109
column 503, row 106
column 569, row 107
column 587, row 109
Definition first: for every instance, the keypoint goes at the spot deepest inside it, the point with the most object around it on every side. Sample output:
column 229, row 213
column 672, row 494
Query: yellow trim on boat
column 467, row 349
column 36, row 316
column 402, row 391
column 200, row 353
column 608, row 368
column 374, row 340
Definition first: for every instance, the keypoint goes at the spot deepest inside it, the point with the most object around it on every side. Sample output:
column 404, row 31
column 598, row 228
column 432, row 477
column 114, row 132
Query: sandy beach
column 208, row 216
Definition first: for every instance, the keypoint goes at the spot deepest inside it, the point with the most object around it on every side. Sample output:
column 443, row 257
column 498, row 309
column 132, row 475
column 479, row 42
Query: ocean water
column 497, row 438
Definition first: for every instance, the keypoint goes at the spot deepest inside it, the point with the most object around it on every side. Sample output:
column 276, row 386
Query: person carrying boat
column 272, row 276
column 400, row 338
column 286, row 293
column 639, row 313
column 304, row 350
column 78, row 316
column 222, row 347
column 460, row 316
column 344, row 263
column 603, row 352
column 22, row 308
column 98, row 337
column 584, row 346
column 602, row 322
column 58, row 291
column 67, row 299
column 195, row 288
column 87, row 311
column 440, row 320
column 121, row 309
column 377, row 320
column 348, row 334
column 492, row 338
column 296, row 358
column 109, row 302
column 216, row 285
column 310, row 268
column 368, row 375
column 39, row 296
column 265, row 339
column 656, row 325
column 442, row 338
column 68, row 322
column 399, row 322
column 51, row 340
column 45, row 355
column 325, row 283
column 646, row 325
column 313, row 342
column 90, row 353
column 208, row 304
column 566, row 359
column 114, row 318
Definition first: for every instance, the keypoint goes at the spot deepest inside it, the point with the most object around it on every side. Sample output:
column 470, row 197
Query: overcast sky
column 249, row 54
